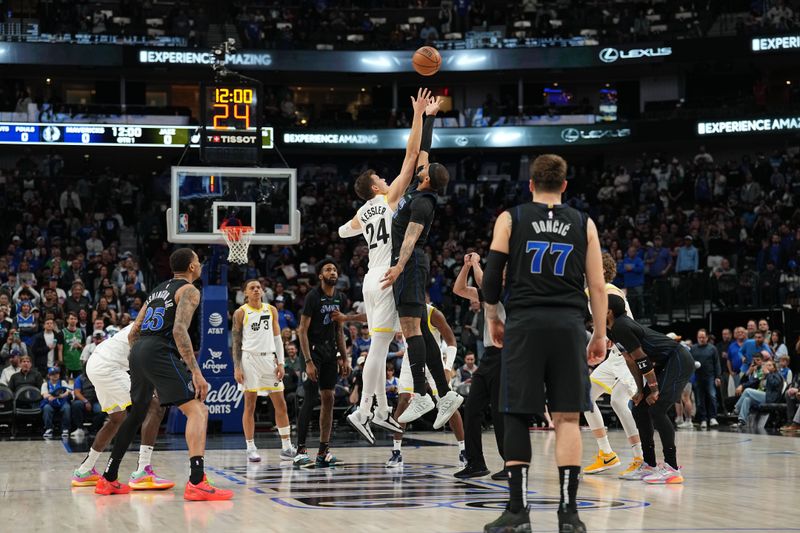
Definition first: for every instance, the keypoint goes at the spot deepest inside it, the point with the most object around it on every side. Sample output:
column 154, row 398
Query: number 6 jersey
column 375, row 217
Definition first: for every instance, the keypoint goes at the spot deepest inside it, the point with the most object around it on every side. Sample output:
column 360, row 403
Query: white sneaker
column 448, row 405
column 361, row 425
column 418, row 406
column 383, row 419
column 253, row 457
column 64, row 433
column 664, row 475
column 287, row 454
column 686, row 425
column 703, row 425
column 77, row 434
column 48, row 434
column 396, row 460
column 636, row 475
column 713, row 423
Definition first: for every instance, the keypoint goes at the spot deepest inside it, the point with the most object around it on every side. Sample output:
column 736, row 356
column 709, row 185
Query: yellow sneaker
column 603, row 462
column 633, row 467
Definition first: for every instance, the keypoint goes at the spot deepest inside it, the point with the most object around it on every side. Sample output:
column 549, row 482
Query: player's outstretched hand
column 390, row 277
column 433, row 106
column 238, row 375
column 421, row 102
column 596, row 351
column 200, row 385
column 311, row 371
column 497, row 330
column 339, row 317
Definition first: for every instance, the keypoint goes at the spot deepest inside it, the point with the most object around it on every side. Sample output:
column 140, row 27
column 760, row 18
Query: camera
column 220, row 53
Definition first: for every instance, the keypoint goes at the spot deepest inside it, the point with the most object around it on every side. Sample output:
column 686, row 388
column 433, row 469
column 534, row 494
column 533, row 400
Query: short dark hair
column 439, row 177
column 549, row 172
column 180, row 259
column 363, row 185
column 72, row 313
column 324, row 262
column 248, row 282
column 616, row 305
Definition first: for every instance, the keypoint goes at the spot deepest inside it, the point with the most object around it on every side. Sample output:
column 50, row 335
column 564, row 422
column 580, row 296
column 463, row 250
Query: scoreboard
column 108, row 135
column 231, row 119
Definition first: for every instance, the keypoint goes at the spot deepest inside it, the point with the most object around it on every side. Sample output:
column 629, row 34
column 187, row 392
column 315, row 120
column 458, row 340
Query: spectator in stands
column 93, row 244
column 392, row 385
column 363, row 341
column 463, row 377
column 783, row 368
column 776, row 344
column 45, row 346
column 632, row 268
column 76, row 272
column 6, row 324
column 286, row 318
column 472, row 328
column 751, row 347
column 13, row 342
column 658, row 260
column 688, row 258
column 56, row 398
column 397, row 350
column 11, row 369
column 98, row 336
column 50, row 306
column 793, row 406
column 104, row 312
column 725, row 282
column 85, row 404
column 77, row 301
column 27, row 375
column 707, row 379
column 762, row 387
column 26, row 323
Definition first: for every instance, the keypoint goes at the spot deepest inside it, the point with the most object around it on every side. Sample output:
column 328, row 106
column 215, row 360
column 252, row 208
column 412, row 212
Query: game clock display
column 231, row 124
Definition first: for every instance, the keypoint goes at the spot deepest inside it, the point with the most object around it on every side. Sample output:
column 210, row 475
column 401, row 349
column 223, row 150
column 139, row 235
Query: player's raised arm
column 427, row 131
column 460, row 287
column 351, row 228
column 597, row 294
column 401, row 182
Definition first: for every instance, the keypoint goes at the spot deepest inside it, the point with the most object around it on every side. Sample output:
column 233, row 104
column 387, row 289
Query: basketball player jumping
column 613, row 377
column 258, row 361
column 374, row 220
column 551, row 250
column 162, row 359
column 107, row 369
column 411, row 224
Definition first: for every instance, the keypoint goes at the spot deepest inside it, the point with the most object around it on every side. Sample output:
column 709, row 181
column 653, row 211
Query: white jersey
column 257, row 336
column 114, row 351
column 375, row 217
column 613, row 289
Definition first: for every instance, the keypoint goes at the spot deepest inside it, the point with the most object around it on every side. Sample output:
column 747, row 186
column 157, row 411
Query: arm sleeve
column 422, row 210
column 279, row 349
column 427, row 134
column 493, row 276
column 346, row 231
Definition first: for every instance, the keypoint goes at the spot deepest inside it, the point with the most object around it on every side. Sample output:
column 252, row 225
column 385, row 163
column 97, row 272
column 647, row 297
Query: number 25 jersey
column 159, row 318
column 547, row 257
column 375, row 217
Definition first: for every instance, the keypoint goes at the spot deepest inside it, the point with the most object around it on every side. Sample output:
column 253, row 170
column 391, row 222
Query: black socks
column 568, row 478
column 518, row 487
column 197, row 469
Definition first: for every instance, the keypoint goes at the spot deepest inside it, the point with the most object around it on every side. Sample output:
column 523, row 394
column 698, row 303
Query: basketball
column 427, row 61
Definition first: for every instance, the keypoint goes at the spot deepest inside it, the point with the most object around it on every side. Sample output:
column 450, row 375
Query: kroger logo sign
column 212, row 363
column 610, row 55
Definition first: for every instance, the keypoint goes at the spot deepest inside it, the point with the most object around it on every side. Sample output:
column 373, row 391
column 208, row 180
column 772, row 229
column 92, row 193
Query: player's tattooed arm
column 136, row 330
column 189, row 300
column 413, row 231
column 236, row 333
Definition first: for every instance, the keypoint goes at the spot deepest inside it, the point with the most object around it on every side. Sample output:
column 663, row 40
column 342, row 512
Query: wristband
column 644, row 365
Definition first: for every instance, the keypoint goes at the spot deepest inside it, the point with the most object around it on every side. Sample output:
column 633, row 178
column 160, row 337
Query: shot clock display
column 231, row 124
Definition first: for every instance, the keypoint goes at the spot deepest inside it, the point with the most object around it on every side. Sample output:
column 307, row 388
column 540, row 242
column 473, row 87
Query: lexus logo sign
column 462, row 140
column 610, row 55
column 570, row 135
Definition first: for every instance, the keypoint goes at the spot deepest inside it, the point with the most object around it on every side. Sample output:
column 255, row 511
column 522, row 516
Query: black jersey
column 547, row 257
column 629, row 335
column 161, row 306
column 415, row 206
column 319, row 306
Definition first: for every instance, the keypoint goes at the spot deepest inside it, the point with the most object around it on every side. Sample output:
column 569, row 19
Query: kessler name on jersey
column 551, row 226
column 371, row 212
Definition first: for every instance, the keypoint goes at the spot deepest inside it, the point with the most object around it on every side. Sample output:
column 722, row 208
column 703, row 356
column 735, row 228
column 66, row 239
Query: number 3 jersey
column 159, row 318
column 257, row 334
column 375, row 217
column 547, row 257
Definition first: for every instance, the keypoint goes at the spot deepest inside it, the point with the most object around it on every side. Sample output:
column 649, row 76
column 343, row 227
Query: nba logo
column 183, row 223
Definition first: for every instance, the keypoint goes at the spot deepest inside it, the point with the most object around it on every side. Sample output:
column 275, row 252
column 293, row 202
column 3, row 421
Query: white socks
column 637, row 449
column 251, row 445
column 285, row 433
column 374, row 376
column 604, row 445
column 145, row 453
column 461, row 446
column 89, row 462
column 397, row 445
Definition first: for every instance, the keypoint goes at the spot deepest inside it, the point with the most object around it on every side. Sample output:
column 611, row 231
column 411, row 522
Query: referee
column 552, row 251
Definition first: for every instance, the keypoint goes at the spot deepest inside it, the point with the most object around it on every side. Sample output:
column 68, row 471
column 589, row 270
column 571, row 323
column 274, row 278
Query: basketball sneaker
column 396, row 460
column 302, row 459
column 462, row 459
column 664, row 475
column 602, row 462
column 148, row 480
column 384, row 419
column 64, row 433
column 89, row 479
column 418, row 406
column 570, row 523
column 471, row 471
column 48, row 434
column 252, row 456
column 703, row 425
column 637, row 475
column 448, row 405
column 205, row 492
column 713, row 423
column 326, row 461
column 509, row 522
column 500, row 475
column 107, row 488
column 635, row 465
column 361, row 425
column 287, row 454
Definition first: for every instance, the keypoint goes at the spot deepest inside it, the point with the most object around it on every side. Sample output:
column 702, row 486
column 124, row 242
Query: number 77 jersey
column 375, row 217
column 547, row 256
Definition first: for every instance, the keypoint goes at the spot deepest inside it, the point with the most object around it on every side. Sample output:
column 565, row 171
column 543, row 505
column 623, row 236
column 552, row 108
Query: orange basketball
column 427, row 61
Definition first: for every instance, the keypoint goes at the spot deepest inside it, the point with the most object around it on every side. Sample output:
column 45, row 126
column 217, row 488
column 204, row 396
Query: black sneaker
column 570, row 523
column 510, row 523
column 471, row 471
column 502, row 475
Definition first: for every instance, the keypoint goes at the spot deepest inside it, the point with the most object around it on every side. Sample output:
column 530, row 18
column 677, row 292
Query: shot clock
column 231, row 123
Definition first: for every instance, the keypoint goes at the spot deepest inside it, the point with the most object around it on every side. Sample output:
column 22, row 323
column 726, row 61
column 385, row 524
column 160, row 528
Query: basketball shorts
column 544, row 359
column 614, row 372
column 260, row 373
column 156, row 365
column 409, row 288
column 406, row 380
column 112, row 383
column 673, row 376
column 324, row 358
column 379, row 303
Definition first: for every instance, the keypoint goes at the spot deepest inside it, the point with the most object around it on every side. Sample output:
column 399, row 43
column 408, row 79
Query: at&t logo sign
column 215, row 323
column 611, row 55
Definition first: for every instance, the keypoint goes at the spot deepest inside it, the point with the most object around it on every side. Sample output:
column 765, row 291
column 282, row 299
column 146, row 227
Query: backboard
column 205, row 197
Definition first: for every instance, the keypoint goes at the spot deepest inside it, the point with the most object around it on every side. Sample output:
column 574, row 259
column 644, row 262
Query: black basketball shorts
column 156, row 365
column 409, row 287
column 324, row 358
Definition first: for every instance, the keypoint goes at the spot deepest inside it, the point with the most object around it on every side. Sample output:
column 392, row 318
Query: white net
column 238, row 239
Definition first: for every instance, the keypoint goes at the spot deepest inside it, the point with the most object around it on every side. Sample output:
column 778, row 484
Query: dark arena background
column 239, row 129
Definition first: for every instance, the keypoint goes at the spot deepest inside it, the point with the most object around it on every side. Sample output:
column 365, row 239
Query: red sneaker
column 204, row 491
column 108, row 488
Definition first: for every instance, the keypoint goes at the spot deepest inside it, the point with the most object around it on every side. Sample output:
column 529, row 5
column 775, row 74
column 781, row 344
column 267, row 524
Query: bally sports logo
column 215, row 323
column 226, row 400
column 212, row 364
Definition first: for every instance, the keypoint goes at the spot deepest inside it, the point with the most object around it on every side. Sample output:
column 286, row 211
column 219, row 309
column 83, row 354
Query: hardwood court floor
column 734, row 482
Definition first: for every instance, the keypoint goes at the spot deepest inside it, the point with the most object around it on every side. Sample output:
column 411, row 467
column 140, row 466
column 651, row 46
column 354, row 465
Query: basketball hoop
column 238, row 240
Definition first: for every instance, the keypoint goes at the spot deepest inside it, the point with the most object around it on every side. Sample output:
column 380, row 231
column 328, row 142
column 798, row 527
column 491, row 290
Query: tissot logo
column 572, row 135
column 610, row 55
